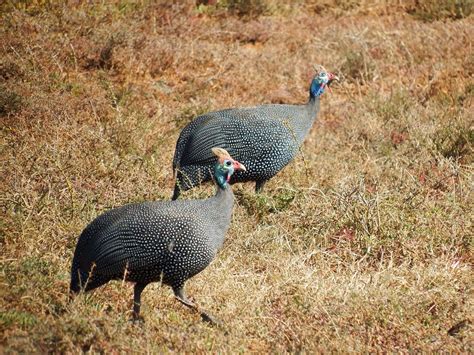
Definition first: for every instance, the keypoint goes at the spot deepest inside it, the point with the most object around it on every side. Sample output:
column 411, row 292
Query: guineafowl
column 265, row 138
column 166, row 242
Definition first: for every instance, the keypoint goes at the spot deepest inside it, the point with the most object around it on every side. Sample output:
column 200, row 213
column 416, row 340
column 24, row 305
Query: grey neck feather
column 303, row 122
column 313, row 107
column 221, row 206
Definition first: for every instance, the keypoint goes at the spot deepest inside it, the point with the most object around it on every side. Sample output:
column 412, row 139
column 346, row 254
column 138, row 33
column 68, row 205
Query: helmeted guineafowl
column 265, row 138
column 166, row 242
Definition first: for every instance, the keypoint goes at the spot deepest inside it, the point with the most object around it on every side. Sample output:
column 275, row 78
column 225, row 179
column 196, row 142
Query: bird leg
column 259, row 185
column 178, row 185
column 206, row 317
column 137, row 293
column 176, row 192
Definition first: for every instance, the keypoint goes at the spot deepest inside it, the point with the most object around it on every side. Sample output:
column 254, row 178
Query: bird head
column 322, row 80
column 225, row 166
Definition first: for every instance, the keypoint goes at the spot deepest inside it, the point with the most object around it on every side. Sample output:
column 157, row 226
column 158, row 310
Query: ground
column 363, row 243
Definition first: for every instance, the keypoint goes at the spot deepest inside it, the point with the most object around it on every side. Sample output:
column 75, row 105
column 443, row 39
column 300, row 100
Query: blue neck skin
column 316, row 89
column 221, row 176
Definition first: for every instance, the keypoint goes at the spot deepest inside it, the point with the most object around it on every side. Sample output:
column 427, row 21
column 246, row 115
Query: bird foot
column 206, row 317
column 138, row 320
column 211, row 320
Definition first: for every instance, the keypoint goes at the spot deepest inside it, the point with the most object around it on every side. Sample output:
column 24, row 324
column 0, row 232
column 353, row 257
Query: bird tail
column 177, row 156
column 78, row 279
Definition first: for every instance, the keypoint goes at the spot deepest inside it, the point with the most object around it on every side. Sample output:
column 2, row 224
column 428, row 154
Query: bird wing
column 146, row 237
column 112, row 242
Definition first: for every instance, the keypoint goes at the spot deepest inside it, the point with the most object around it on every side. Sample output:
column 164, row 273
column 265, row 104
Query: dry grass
column 363, row 245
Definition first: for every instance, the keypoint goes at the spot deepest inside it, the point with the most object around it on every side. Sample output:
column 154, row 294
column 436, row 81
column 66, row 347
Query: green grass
column 440, row 10
column 363, row 243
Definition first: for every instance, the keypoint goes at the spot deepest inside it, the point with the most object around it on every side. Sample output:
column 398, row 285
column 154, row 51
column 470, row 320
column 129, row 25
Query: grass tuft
column 13, row 318
column 427, row 10
column 10, row 101
column 456, row 141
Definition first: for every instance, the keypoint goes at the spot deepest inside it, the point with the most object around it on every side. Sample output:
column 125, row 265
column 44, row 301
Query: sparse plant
column 455, row 140
column 357, row 66
column 427, row 10
column 10, row 101
column 247, row 8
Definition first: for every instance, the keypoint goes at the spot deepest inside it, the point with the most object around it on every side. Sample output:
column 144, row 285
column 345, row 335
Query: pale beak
column 332, row 77
column 239, row 166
